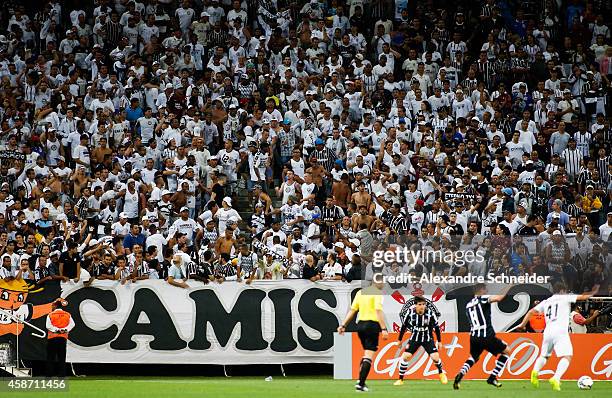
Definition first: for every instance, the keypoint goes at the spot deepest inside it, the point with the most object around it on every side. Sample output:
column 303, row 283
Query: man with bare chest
column 361, row 197
column 361, row 218
column 341, row 191
column 225, row 243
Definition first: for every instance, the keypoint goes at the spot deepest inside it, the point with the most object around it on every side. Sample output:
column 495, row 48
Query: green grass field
column 298, row 387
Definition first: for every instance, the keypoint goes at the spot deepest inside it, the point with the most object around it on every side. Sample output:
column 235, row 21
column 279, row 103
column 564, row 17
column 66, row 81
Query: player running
column 556, row 310
column 422, row 322
column 368, row 303
column 482, row 335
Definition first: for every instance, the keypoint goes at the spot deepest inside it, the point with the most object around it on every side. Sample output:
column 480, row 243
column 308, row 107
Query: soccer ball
column 585, row 383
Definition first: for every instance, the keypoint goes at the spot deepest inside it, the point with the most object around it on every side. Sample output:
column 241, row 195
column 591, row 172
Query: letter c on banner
column 524, row 362
column 607, row 363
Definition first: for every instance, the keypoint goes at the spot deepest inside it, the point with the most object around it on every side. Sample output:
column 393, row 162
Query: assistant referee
column 371, row 322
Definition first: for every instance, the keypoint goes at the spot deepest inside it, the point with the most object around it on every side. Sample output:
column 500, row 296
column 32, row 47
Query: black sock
column 366, row 363
column 439, row 366
column 465, row 368
column 499, row 365
column 403, row 367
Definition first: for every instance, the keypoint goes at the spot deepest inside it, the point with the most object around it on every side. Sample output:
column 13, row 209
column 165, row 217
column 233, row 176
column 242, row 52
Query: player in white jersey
column 556, row 310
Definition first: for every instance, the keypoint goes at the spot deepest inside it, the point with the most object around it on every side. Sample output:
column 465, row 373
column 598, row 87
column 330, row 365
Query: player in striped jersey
column 482, row 335
column 422, row 321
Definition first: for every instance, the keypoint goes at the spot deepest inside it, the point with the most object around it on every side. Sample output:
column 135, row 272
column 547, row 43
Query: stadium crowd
column 129, row 132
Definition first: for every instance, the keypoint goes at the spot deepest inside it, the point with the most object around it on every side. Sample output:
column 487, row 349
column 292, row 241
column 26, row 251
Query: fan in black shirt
column 70, row 262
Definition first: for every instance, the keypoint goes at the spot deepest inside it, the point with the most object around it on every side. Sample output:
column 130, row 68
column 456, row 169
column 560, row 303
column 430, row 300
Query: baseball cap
column 556, row 215
column 319, row 141
column 184, row 208
column 556, row 232
column 169, row 86
column 165, row 192
column 61, row 158
column 123, row 215
column 508, row 191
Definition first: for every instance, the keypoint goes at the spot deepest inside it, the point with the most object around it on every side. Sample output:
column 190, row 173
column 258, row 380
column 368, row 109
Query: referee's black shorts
column 491, row 344
column 428, row 346
column 368, row 332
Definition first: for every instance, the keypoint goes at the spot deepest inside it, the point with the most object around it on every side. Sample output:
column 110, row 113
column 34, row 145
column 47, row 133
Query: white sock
column 561, row 368
column 540, row 362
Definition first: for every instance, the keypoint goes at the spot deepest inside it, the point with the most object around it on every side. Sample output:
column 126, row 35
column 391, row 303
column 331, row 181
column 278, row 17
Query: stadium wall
column 272, row 322
column 592, row 353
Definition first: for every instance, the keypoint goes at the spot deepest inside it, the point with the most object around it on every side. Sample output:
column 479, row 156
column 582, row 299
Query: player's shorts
column 561, row 343
column 428, row 346
column 491, row 344
column 368, row 332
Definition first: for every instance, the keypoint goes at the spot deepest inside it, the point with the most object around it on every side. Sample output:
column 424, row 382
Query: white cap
column 169, row 85
column 93, row 242
column 165, row 192
column 184, row 208
column 556, row 232
column 123, row 215
column 204, row 14
column 227, row 200
column 339, row 244
column 145, row 218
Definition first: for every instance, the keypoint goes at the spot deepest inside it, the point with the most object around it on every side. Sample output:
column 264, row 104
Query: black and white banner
column 288, row 321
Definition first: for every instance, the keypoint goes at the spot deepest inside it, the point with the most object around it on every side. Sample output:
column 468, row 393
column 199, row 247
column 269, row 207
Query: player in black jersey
column 422, row 322
column 482, row 335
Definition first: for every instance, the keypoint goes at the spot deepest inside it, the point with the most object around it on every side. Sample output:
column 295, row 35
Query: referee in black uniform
column 422, row 322
column 368, row 303
column 482, row 334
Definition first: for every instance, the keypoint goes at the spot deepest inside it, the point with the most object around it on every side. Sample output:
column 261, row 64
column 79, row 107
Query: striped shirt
column 114, row 31
column 326, row 157
column 486, row 71
column 369, row 82
column 479, row 315
column 583, row 142
column 421, row 325
column 225, row 270
column 602, row 165
column 572, row 160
